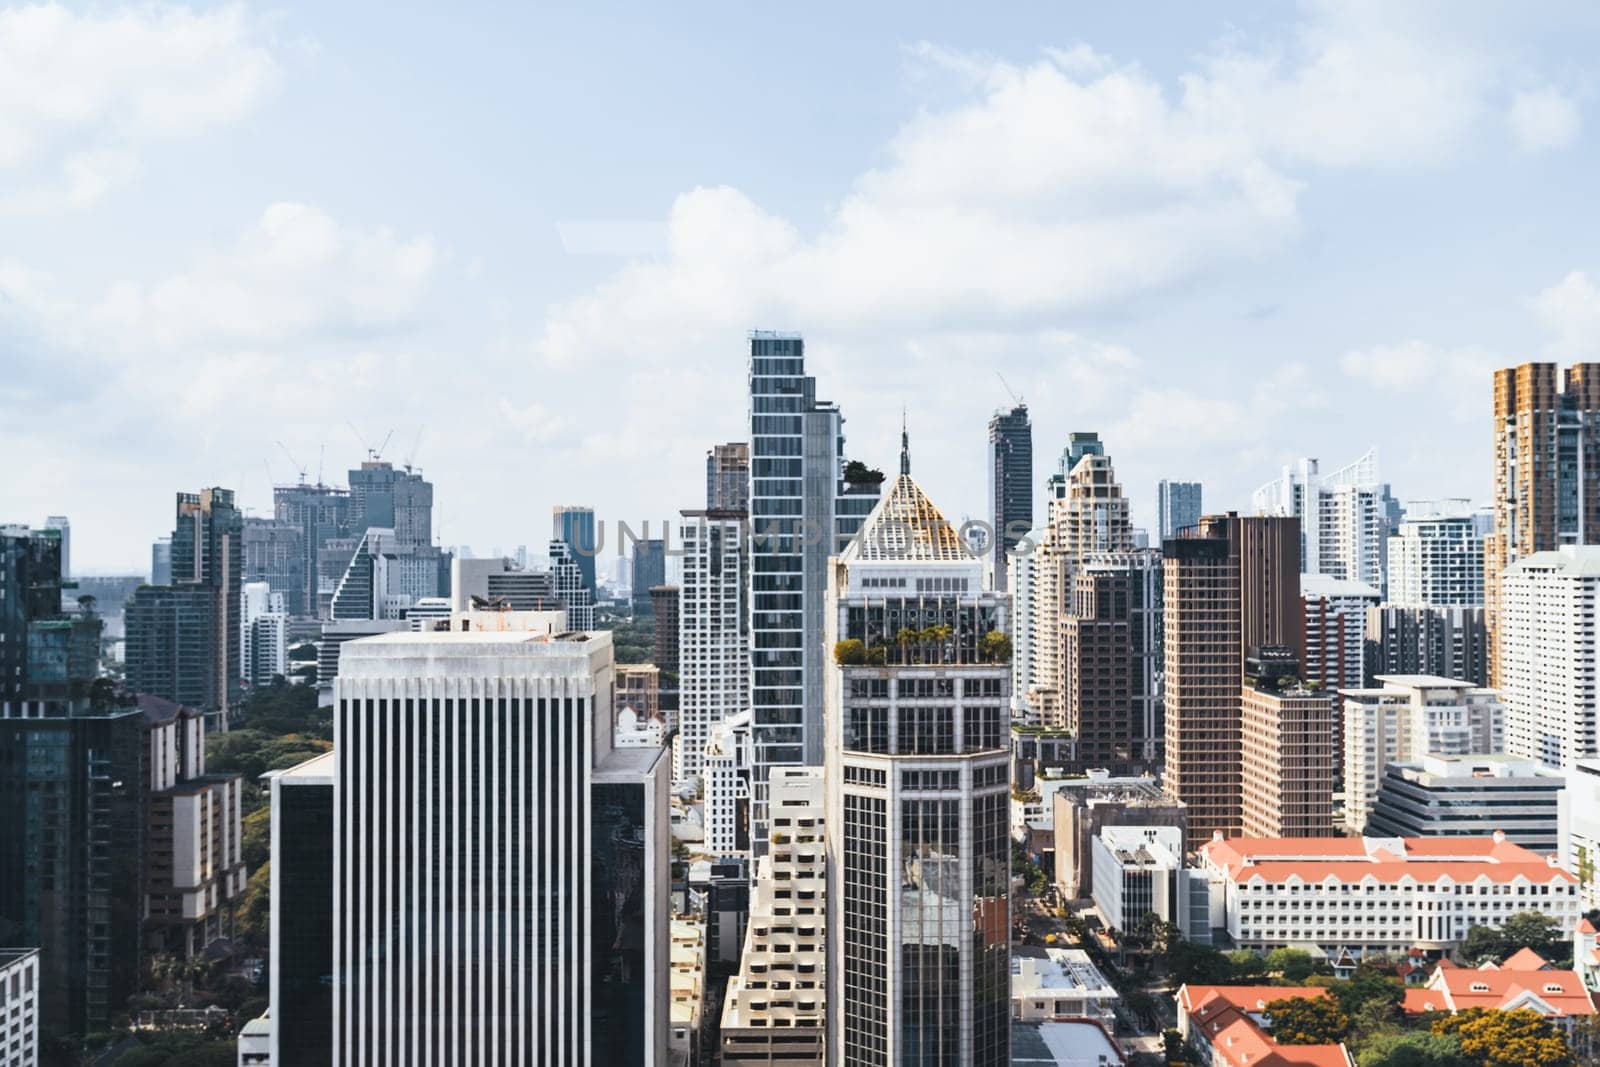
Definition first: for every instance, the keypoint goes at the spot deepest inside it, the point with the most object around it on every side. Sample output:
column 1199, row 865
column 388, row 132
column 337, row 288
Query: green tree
column 1247, row 966
column 994, row 647
column 252, row 921
column 1525, row 929
column 1520, row 1038
column 849, row 653
column 255, row 842
column 1190, row 963
column 1307, row 1021
column 1413, row 1050
column 1172, row 1046
column 1294, row 964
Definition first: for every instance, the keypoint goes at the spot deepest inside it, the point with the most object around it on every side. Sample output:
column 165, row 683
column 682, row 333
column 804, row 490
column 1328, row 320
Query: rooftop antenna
column 1014, row 397
column 905, row 443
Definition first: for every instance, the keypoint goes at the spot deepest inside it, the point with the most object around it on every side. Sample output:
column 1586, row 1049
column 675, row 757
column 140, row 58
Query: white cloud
column 1543, row 119
column 81, row 93
column 1570, row 312
column 1454, row 379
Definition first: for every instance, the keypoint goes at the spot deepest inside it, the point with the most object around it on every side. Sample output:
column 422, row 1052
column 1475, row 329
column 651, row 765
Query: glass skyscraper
column 1179, row 504
column 1010, row 484
column 801, row 512
column 575, row 527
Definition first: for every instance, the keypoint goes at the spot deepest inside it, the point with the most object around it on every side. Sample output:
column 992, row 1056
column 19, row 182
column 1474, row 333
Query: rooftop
column 1384, row 859
column 906, row 527
column 1058, row 970
column 1573, row 561
column 1233, row 1020
column 1526, row 980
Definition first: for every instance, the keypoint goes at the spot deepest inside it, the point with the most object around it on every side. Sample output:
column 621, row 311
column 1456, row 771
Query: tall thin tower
column 1010, row 485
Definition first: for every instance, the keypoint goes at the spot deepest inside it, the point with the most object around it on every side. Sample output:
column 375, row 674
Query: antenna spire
column 905, row 444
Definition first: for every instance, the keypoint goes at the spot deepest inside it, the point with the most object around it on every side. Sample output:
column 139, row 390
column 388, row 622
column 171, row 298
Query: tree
column 849, row 653
column 858, row 473
column 1366, row 987
column 1520, row 1038
column 1194, row 964
column 1525, row 929
column 994, row 647
column 1307, row 1021
column 1413, row 1050
column 1294, row 964
column 1172, row 1046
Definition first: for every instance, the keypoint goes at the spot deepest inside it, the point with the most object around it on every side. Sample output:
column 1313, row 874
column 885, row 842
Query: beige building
column 1288, row 762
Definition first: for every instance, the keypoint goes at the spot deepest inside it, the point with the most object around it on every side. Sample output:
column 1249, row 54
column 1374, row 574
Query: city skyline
column 378, row 281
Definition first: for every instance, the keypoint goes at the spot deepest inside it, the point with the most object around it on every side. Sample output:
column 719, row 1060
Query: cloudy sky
column 529, row 243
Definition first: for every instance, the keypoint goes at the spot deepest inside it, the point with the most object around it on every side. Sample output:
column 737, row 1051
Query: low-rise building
column 1525, row 981
column 688, row 991
column 1229, row 1026
column 1064, row 1044
column 1138, row 871
column 635, row 729
column 1060, row 985
column 1470, row 796
column 1579, row 823
column 19, row 1007
column 1363, row 896
column 1085, row 806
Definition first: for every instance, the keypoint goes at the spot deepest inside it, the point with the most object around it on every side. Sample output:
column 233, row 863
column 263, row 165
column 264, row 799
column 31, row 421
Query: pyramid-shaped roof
column 906, row 527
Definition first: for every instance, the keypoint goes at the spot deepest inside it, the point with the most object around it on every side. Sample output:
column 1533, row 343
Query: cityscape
column 785, row 696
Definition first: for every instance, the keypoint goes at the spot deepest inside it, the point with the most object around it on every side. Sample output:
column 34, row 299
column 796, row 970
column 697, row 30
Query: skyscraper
column 1111, row 676
column 301, row 993
column 713, row 631
column 1332, row 651
column 1179, row 506
column 183, row 638
column 273, row 553
column 918, row 795
column 649, row 569
column 61, row 524
column 321, row 513
column 728, row 477
column 571, row 588
column 574, row 526
column 1232, row 585
column 805, row 505
column 500, row 880
column 1444, row 642
column 398, row 500
column 1546, row 453
column 1346, row 517
column 1436, row 558
column 1549, row 655
column 1010, row 485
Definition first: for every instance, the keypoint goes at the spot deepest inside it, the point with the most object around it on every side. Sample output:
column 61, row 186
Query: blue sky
column 1224, row 236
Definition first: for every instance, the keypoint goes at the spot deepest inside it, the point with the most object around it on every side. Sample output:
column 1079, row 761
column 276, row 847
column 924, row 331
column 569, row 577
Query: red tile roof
column 1523, row 981
column 1352, row 859
column 1226, row 1016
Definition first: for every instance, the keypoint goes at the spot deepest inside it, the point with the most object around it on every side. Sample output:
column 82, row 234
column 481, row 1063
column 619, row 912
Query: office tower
column 725, row 770
column 74, row 788
column 1087, row 515
column 322, row 514
column 500, row 581
column 728, row 477
column 1232, row 585
column 665, row 607
column 32, row 621
column 1111, row 643
column 502, row 896
column 918, row 795
column 1546, row 452
column 19, row 1007
column 571, row 588
column 1403, row 719
column 806, row 503
column 1444, row 642
column 713, row 653
column 301, row 990
column 1546, row 634
column 390, row 499
column 574, row 527
column 775, row 1010
column 183, row 638
column 1023, row 576
column 1332, row 653
column 1010, row 486
column 161, row 561
column 273, row 554
column 1346, row 517
column 195, row 865
column 649, row 570
column 1287, row 758
column 1178, row 507
column 61, row 525
column 263, row 635
column 1436, row 559
column 1470, row 796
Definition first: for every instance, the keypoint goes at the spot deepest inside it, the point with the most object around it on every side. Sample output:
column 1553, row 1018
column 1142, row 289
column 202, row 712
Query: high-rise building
column 31, row 619
column 725, row 769
column 1232, row 585
column 183, row 638
column 1111, row 641
column 302, row 983
column 75, row 790
column 502, row 897
column 273, row 554
column 1405, row 718
column 1470, row 796
column 567, row 579
column 574, row 526
column 1332, row 653
column 728, row 477
column 63, row 526
column 1346, row 517
column 1010, row 486
column 1087, row 515
column 161, row 561
column 1023, row 572
column 665, row 608
column 1578, row 822
column 1445, row 642
column 806, row 503
column 322, row 514
column 1436, row 559
column 500, row 581
column 390, row 499
column 1548, row 657
column 649, row 570
column 1179, row 506
column 19, row 1007
column 263, row 635
column 1287, row 751
column 918, row 795
column 775, row 1010
column 713, row 653
column 1546, row 450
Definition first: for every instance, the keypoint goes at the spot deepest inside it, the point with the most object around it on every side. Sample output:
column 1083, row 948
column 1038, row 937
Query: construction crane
column 1015, row 399
column 412, row 454
column 299, row 467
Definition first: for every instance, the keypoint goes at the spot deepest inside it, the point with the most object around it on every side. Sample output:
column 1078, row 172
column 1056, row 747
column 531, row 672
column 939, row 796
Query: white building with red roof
column 1230, row 1027
column 1384, row 896
column 1526, row 980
